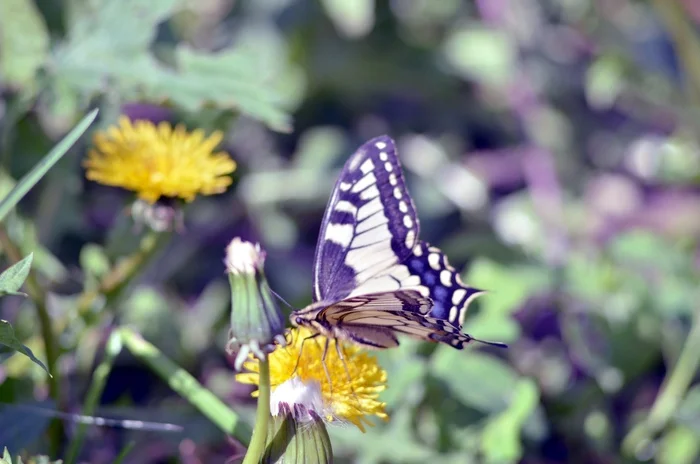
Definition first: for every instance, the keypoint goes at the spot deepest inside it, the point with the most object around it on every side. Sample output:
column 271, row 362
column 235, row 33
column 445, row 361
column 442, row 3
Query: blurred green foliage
column 551, row 149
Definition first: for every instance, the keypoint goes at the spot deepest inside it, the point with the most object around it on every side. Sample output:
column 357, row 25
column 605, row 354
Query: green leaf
column 488, row 326
column 231, row 79
column 507, row 288
column 500, row 440
column 94, row 260
column 352, row 19
column 604, row 82
column 688, row 412
column 33, row 176
column 8, row 338
column 679, row 445
column 478, row 380
column 6, row 456
column 111, row 41
column 480, row 53
column 13, row 277
column 24, row 42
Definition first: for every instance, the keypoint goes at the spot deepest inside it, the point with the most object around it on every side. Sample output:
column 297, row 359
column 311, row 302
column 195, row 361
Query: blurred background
column 551, row 148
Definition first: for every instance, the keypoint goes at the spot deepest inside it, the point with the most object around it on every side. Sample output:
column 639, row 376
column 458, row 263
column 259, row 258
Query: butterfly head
column 298, row 321
column 308, row 318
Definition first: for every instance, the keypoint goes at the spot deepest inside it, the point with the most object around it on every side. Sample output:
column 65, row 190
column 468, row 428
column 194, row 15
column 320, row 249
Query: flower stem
column 38, row 296
column 685, row 42
column 99, row 379
column 259, row 438
column 122, row 273
column 672, row 392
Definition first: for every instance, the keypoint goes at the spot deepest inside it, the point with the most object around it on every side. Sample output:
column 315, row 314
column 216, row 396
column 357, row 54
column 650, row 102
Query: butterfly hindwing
column 441, row 283
column 375, row 320
column 370, row 225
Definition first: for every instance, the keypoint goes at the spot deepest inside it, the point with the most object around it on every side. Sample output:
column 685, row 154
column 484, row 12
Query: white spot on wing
column 373, row 221
column 369, row 193
column 388, row 167
column 453, row 314
column 445, row 278
column 410, row 238
column 380, row 145
column 397, row 193
column 365, row 182
column 410, row 281
column 388, row 281
column 418, row 251
column 371, row 260
column 368, row 209
column 344, row 186
column 458, row 296
column 345, row 206
column 380, row 234
column 367, row 166
column 403, row 207
column 392, row 179
column 339, row 233
column 434, row 261
column 382, row 155
column 354, row 161
column 407, row 221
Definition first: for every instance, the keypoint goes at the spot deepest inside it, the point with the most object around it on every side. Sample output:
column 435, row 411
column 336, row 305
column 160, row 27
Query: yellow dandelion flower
column 159, row 161
column 354, row 393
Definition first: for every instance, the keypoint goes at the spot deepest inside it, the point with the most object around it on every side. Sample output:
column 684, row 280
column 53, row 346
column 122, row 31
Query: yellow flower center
column 350, row 386
column 157, row 161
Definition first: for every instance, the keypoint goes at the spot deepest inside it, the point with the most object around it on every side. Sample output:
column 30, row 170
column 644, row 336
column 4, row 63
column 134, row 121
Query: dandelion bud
column 256, row 320
column 297, row 435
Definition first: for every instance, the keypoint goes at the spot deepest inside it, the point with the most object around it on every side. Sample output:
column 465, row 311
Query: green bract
column 256, row 321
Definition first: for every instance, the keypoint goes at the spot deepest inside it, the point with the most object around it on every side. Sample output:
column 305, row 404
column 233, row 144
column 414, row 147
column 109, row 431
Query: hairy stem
column 685, row 42
column 38, row 297
column 672, row 391
column 259, row 438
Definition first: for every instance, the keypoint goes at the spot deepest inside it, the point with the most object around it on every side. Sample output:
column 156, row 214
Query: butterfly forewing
column 370, row 225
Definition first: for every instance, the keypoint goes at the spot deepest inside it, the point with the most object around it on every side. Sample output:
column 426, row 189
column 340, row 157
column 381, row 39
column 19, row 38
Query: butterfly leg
column 325, row 367
column 341, row 356
column 301, row 350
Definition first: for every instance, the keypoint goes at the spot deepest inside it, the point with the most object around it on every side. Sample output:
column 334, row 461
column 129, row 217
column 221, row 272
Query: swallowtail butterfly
column 373, row 278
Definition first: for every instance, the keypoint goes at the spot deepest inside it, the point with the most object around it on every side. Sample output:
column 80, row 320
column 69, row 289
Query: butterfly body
column 373, row 278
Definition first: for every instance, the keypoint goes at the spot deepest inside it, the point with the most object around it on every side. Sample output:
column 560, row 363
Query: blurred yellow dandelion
column 352, row 397
column 159, row 161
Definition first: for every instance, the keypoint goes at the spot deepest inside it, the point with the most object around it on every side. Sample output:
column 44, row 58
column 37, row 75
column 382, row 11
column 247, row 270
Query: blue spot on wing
column 444, row 297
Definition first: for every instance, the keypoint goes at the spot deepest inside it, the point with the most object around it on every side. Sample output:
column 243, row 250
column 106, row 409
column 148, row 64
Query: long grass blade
column 33, row 176
column 187, row 386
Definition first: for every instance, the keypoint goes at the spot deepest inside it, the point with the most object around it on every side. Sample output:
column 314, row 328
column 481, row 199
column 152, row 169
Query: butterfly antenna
column 281, row 299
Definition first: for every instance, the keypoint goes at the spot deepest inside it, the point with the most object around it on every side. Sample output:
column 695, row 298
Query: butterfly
column 373, row 278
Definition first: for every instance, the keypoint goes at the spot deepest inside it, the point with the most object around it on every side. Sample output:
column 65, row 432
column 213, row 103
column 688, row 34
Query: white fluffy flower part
column 297, row 392
column 243, row 257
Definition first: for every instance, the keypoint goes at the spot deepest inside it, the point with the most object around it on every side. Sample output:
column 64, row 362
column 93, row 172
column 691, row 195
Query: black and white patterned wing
column 369, row 227
column 375, row 320
column 441, row 283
